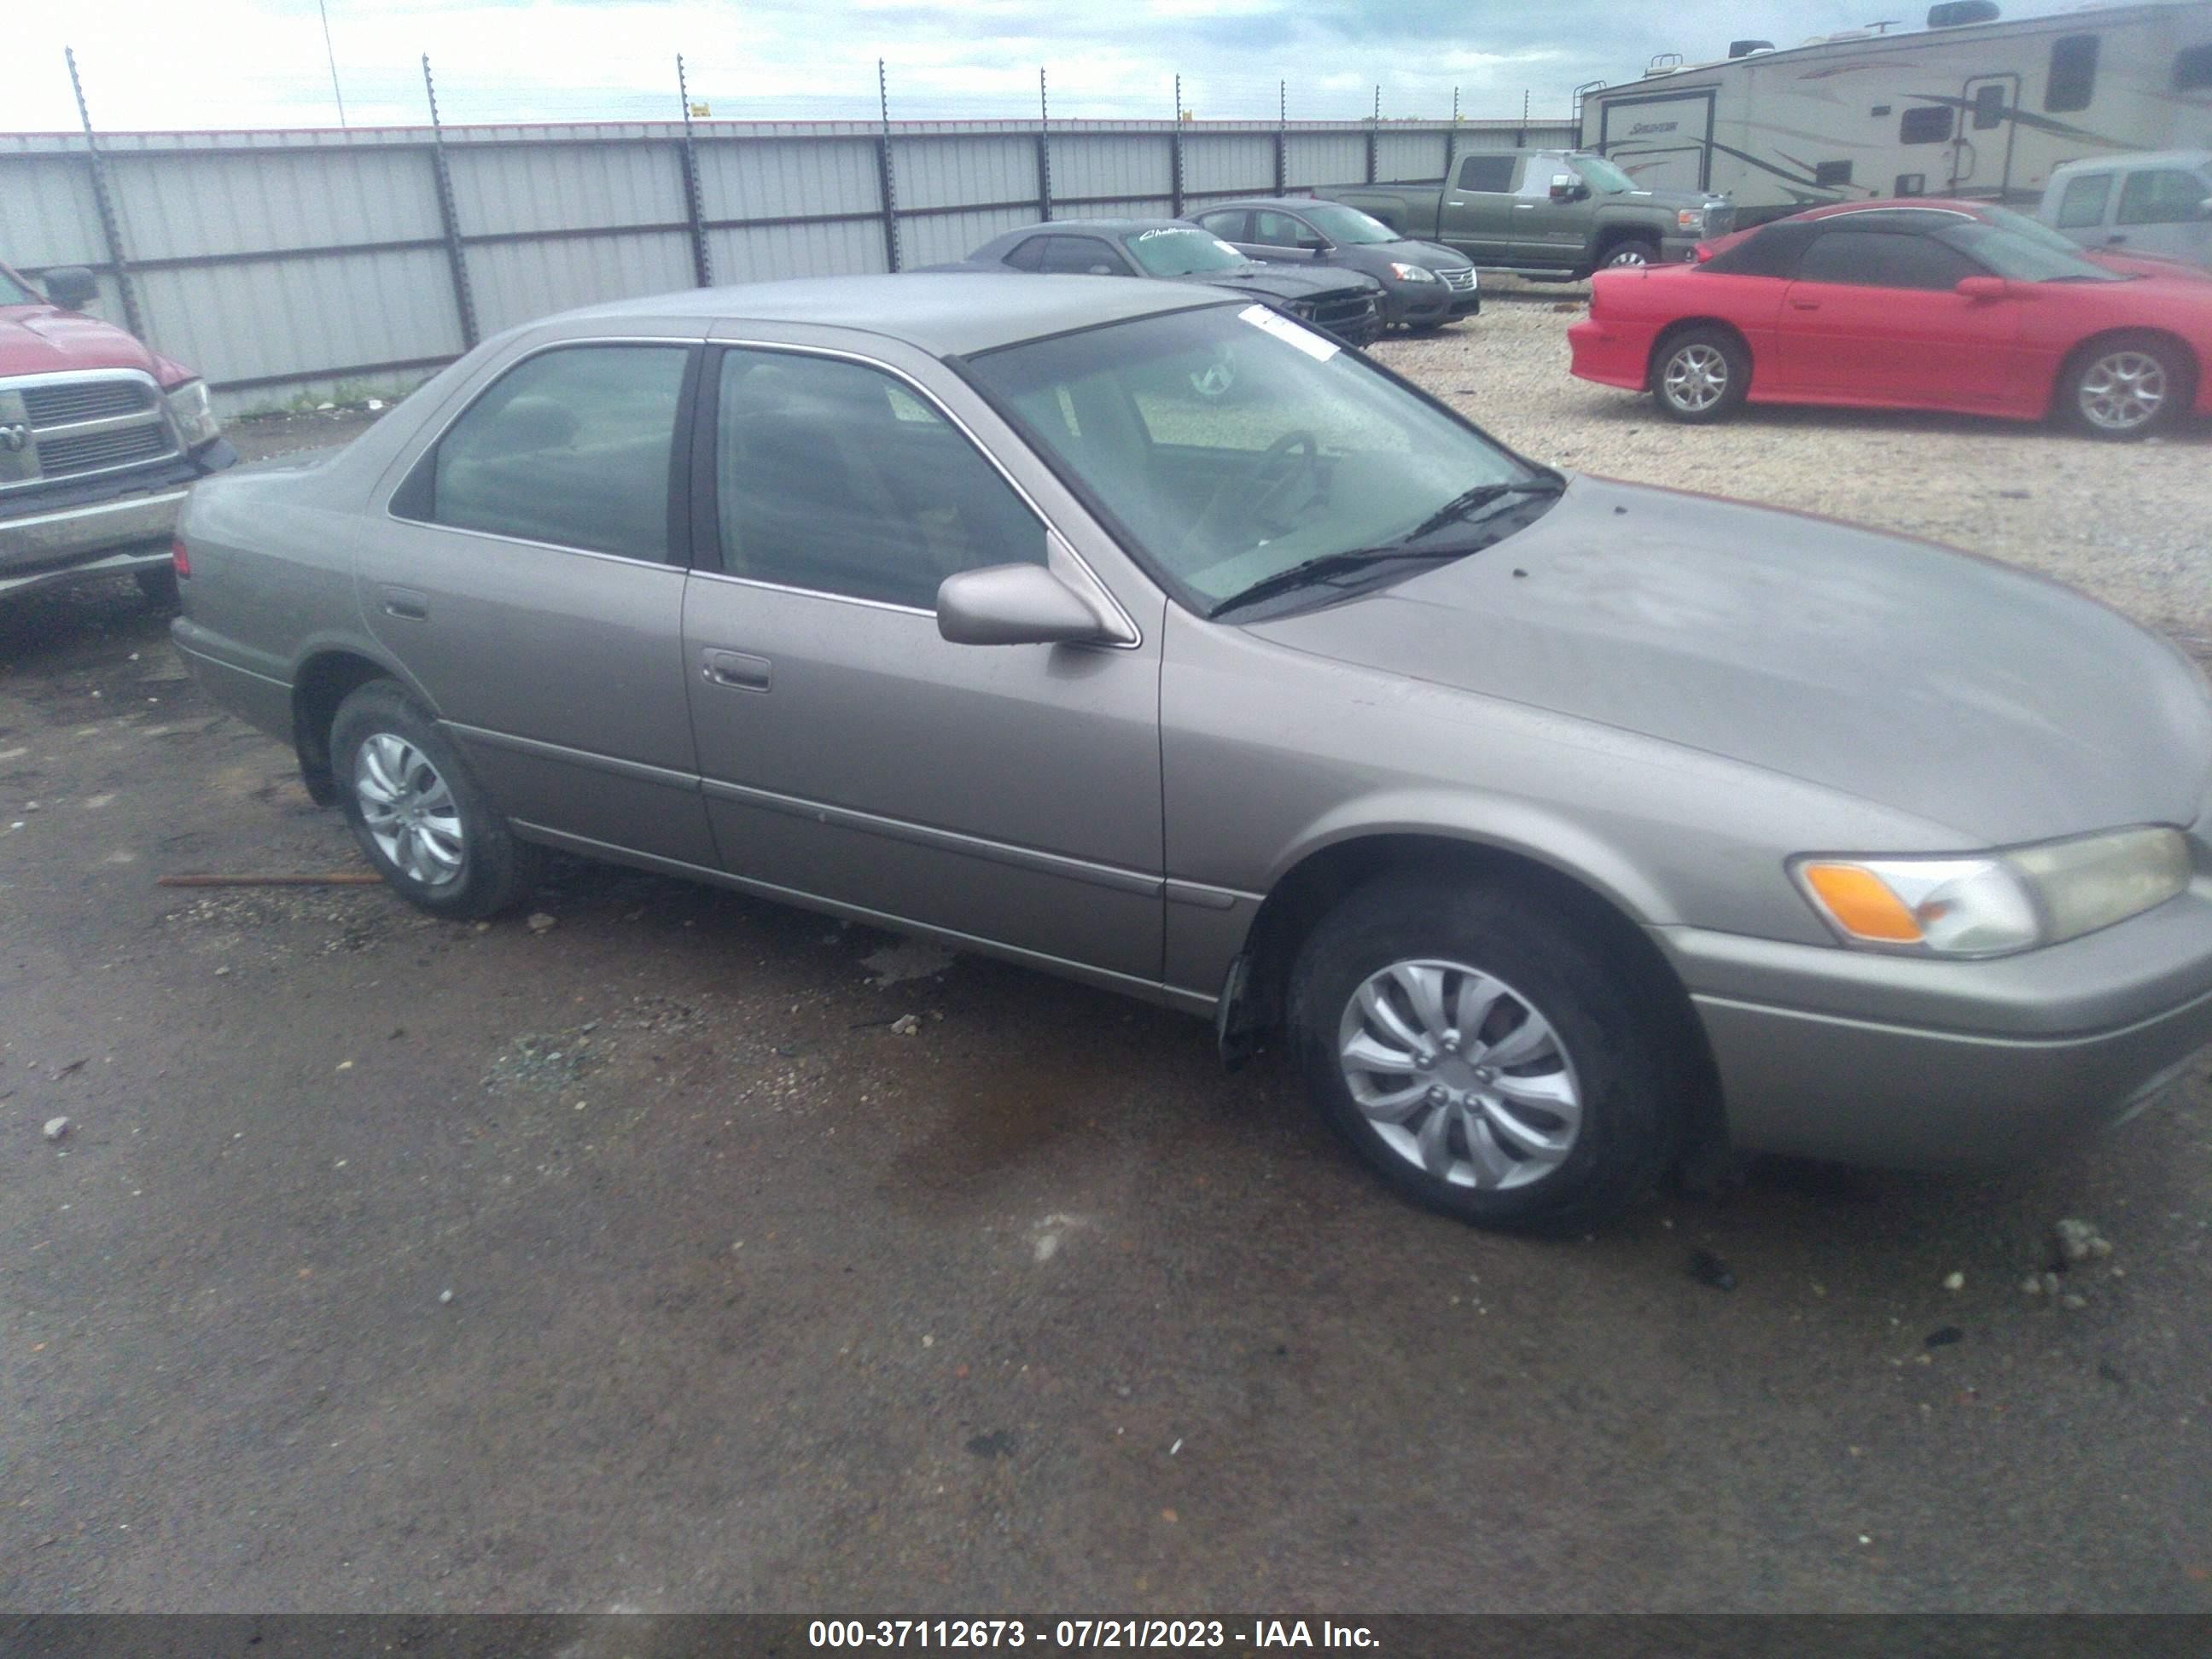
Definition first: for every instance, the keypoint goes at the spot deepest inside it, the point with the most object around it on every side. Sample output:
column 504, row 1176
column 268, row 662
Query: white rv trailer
column 1972, row 105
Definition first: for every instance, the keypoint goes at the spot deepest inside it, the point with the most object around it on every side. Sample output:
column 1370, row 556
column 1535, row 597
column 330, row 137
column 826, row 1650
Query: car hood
column 1284, row 281
column 45, row 340
column 2004, row 707
column 1412, row 253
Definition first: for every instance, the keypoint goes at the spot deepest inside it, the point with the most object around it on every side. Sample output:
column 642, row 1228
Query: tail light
column 180, row 558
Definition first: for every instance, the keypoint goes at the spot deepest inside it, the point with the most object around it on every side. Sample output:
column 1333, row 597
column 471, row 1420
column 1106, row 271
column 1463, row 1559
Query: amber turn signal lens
column 1861, row 904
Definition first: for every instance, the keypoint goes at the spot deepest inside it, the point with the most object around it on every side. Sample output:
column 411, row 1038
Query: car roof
column 2140, row 158
column 1963, row 209
column 947, row 313
column 1113, row 226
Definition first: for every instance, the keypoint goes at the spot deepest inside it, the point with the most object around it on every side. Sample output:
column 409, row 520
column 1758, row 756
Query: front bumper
column 103, row 535
column 1680, row 250
column 1829, row 1053
column 1417, row 306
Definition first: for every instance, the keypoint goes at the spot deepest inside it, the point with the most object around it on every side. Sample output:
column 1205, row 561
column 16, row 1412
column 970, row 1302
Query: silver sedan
column 1558, row 829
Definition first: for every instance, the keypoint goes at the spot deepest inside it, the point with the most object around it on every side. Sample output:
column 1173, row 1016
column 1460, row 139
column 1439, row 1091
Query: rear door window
column 1882, row 259
column 2161, row 196
column 571, row 446
column 2082, row 204
column 1493, row 174
column 1230, row 224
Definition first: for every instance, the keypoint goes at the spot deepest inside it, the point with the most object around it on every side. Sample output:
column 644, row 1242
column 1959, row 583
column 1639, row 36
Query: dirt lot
column 755, row 1303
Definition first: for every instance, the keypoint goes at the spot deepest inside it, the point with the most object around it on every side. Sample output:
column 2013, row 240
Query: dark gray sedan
column 1556, row 825
column 1424, row 284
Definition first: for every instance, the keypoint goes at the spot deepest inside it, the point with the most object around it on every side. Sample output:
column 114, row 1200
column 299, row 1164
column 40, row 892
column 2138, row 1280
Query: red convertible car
column 1935, row 305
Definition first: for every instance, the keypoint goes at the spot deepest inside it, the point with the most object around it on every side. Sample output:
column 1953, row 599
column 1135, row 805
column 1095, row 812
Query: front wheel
column 2124, row 387
column 1478, row 1051
column 1634, row 251
column 1700, row 374
column 417, row 811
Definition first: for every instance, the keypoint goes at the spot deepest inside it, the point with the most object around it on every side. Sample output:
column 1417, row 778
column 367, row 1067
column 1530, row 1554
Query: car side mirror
column 1314, row 245
column 1015, row 604
column 1564, row 186
column 1980, row 288
column 72, row 288
column 2205, row 208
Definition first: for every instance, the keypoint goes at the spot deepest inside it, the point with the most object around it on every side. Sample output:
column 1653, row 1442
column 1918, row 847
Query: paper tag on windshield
column 1275, row 323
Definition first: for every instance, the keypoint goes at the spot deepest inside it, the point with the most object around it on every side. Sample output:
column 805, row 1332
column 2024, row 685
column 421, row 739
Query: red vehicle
column 1934, row 305
column 99, row 438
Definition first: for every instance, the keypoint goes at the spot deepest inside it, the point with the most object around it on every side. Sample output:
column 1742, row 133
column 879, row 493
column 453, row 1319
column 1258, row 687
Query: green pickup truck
column 1545, row 213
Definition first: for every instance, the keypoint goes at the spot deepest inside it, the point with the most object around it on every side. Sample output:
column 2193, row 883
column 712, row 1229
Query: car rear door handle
column 1806, row 304
column 1524, row 207
column 2114, row 241
column 407, row 604
column 735, row 668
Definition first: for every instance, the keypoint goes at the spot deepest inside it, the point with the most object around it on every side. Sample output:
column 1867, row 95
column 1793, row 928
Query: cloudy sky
column 198, row 64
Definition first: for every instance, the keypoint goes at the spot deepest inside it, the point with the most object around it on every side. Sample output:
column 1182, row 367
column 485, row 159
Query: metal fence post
column 701, row 266
column 1373, row 122
column 110, row 228
column 1043, row 149
column 1520, row 132
column 884, row 176
column 463, row 302
column 1174, row 156
column 1282, row 137
column 1451, row 141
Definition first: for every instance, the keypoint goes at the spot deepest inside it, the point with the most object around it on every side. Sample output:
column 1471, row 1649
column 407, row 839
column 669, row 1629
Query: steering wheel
column 1288, row 479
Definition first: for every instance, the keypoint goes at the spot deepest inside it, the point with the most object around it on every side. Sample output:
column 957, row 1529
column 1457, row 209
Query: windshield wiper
column 1326, row 567
column 1473, row 501
column 1314, row 571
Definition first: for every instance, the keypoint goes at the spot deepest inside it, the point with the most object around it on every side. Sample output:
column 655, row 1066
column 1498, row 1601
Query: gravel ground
column 2130, row 524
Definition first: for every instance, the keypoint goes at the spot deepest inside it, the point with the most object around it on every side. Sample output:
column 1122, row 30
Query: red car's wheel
column 1701, row 373
column 2124, row 386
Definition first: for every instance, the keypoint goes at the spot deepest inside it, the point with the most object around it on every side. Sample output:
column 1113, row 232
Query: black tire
column 2174, row 378
column 1699, row 347
column 1630, row 251
column 494, row 868
column 1616, row 1052
column 159, row 584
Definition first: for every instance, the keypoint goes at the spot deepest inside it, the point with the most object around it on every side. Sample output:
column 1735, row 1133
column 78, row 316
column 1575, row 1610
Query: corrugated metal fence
column 303, row 263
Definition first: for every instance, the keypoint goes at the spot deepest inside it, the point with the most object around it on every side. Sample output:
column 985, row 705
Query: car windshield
column 1229, row 444
column 1182, row 251
column 1601, row 174
column 14, row 293
column 2023, row 259
column 1347, row 225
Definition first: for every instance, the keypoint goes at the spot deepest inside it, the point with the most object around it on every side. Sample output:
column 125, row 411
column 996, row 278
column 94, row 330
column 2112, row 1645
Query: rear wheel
column 1476, row 1049
column 2123, row 387
column 1700, row 374
column 416, row 809
column 159, row 584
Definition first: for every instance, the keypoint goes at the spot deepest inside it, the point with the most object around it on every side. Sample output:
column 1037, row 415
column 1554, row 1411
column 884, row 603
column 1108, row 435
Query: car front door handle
column 1524, row 207
column 1805, row 305
column 407, row 604
column 735, row 668
column 2114, row 241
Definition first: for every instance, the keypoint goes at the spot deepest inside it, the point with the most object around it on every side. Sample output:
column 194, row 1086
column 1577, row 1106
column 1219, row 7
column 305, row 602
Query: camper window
column 2193, row 69
column 2073, row 73
column 1832, row 172
column 1989, row 106
column 2082, row 205
column 2161, row 196
column 1925, row 123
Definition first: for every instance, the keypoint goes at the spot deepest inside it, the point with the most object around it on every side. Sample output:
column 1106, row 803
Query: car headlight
column 193, row 415
column 1991, row 905
column 1689, row 219
column 1412, row 273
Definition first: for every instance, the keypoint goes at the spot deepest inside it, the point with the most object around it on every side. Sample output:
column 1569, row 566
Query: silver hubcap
column 2123, row 390
column 1696, row 377
column 410, row 811
column 1629, row 256
column 1459, row 1075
